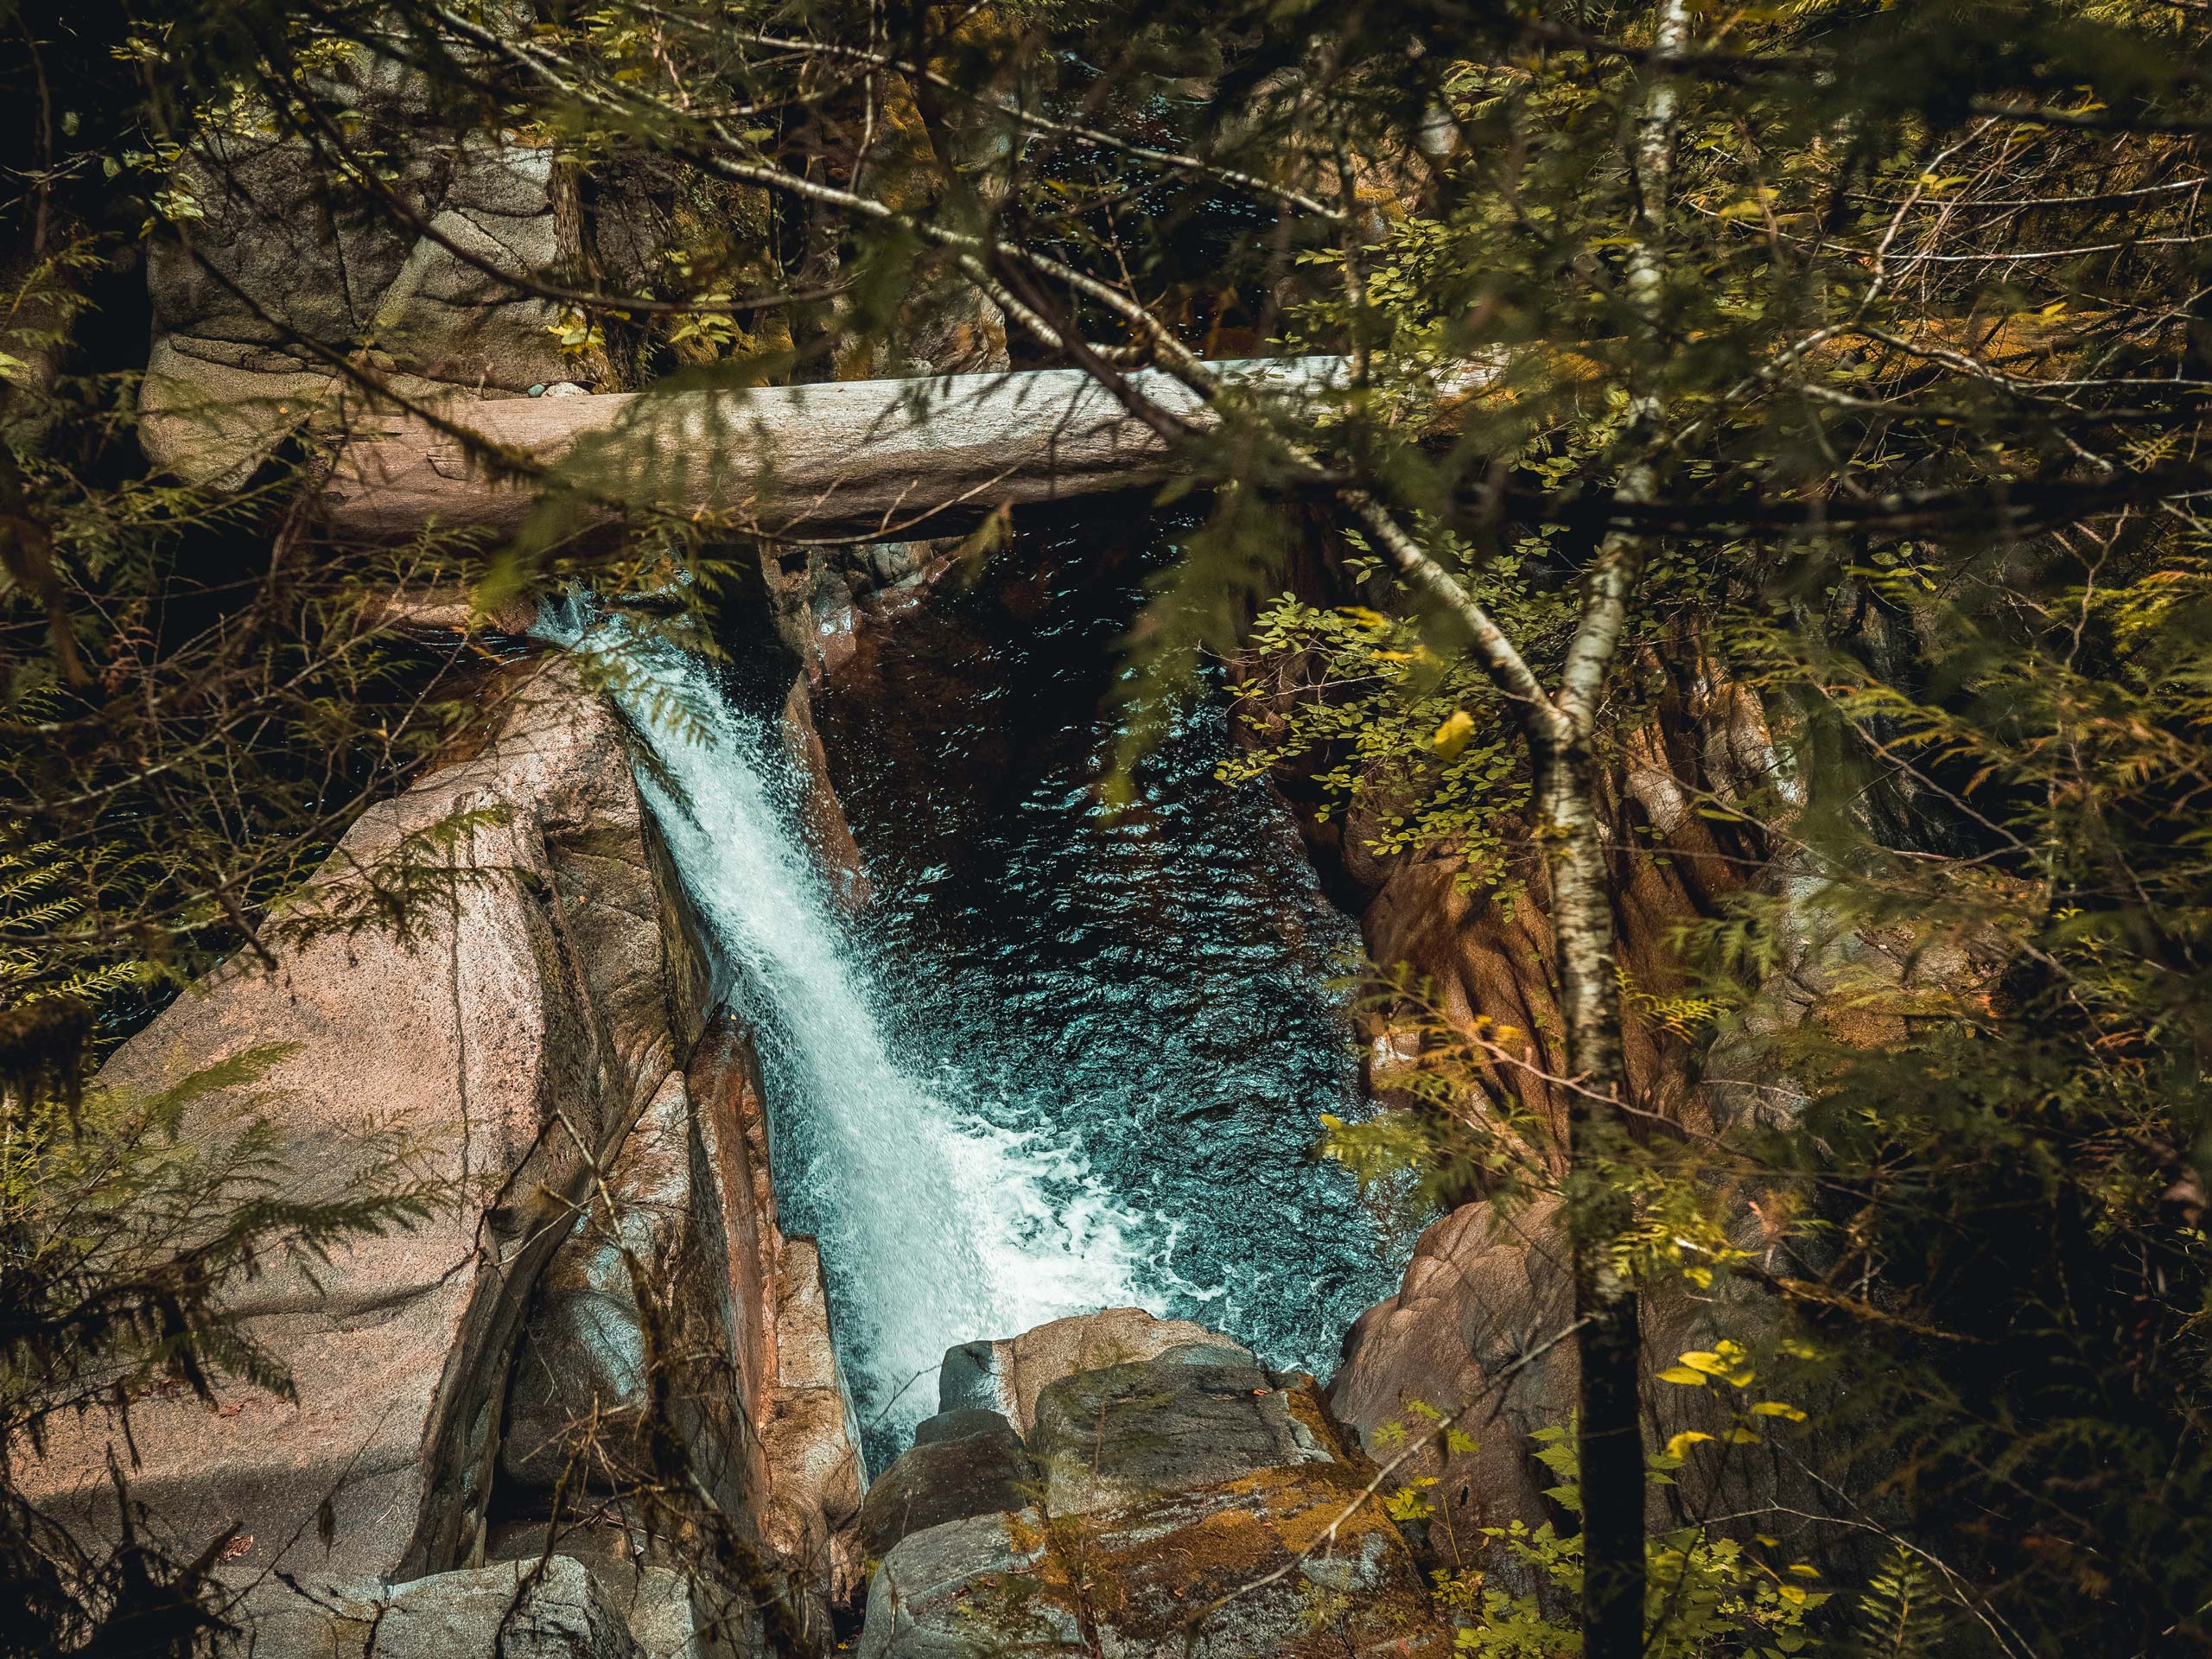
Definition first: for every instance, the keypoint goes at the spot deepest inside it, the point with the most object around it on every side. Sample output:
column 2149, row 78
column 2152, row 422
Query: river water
column 1065, row 1060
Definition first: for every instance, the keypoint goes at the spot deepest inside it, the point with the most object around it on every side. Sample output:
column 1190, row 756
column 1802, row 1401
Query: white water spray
column 936, row 1227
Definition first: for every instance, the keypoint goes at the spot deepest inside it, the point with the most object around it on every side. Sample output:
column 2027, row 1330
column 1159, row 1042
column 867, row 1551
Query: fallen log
column 864, row 457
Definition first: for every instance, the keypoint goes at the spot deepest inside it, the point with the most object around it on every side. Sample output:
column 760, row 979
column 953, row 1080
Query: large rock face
column 468, row 1038
column 1479, row 1322
column 1483, row 1290
column 265, row 271
column 553, row 1610
column 1486, row 947
column 1182, row 1494
column 1010, row 1374
column 963, row 1463
column 523, row 1046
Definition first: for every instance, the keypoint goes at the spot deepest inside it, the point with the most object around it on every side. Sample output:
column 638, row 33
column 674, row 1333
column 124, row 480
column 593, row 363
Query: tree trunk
column 876, row 458
column 1598, row 1206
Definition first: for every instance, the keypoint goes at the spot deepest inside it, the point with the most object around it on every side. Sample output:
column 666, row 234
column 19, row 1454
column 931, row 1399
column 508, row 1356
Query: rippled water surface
column 1147, row 999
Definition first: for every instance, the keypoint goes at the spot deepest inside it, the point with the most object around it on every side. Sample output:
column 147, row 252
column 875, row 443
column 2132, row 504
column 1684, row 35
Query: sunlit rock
column 1008, row 1374
column 1190, row 1501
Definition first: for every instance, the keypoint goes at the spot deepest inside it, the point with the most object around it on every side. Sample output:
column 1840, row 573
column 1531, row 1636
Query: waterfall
column 936, row 1227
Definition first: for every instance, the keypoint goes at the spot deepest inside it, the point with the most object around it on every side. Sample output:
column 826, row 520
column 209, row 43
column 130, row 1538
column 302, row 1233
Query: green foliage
column 1381, row 724
column 1705, row 1595
column 128, row 1222
column 1921, row 395
column 1901, row 1613
column 123, row 1233
column 2021, row 1164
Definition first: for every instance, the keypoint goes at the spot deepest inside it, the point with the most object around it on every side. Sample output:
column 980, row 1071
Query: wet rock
column 967, row 1380
column 1192, row 1502
column 962, row 1463
column 734, row 1206
column 820, row 811
column 1007, row 1375
column 1200, row 1415
column 811, row 1442
column 957, row 1425
column 969, row 1589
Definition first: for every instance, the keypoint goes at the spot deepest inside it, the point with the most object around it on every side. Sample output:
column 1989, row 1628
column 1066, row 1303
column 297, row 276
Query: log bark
column 858, row 457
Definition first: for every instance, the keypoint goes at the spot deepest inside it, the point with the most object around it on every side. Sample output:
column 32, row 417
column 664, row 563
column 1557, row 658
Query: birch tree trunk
column 888, row 458
column 1599, row 1207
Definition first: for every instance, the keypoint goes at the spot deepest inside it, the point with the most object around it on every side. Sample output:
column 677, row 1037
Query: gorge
column 1030, row 1060
column 1027, row 831
column 1054, row 1063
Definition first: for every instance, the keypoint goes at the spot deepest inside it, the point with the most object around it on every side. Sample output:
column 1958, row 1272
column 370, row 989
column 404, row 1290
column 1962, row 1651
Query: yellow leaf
column 1777, row 1408
column 1680, row 1444
column 1743, row 1437
column 1682, row 1377
column 1791, row 1594
column 1726, row 1362
column 1452, row 736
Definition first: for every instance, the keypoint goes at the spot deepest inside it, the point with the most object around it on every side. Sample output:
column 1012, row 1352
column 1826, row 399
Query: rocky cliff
column 599, row 1348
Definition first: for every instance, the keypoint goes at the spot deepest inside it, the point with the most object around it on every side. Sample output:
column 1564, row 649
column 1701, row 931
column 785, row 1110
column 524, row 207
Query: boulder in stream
column 1008, row 1374
column 1185, row 1493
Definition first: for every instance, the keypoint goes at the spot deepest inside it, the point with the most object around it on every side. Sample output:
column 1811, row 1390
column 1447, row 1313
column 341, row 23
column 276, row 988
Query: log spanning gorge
column 1062, row 1059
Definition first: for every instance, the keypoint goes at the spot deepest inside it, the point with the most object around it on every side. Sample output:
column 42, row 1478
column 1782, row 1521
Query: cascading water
column 1063, row 1061
column 936, row 1226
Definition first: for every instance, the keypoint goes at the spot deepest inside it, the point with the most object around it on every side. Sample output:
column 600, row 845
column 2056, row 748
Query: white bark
column 853, row 457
